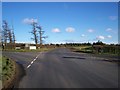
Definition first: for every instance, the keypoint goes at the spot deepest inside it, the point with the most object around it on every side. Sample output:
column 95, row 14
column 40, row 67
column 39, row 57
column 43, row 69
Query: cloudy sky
column 64, row 21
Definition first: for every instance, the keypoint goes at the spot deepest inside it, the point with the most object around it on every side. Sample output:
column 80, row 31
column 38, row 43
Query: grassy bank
column 8, row 71
column 84, row 49
column 27, row 50
column 0, row 72
column 90, row 49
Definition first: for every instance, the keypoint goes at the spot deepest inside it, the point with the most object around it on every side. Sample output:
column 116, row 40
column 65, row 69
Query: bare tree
column 5, row 32
column 13, row 35
column 41, row 32
column 10, row 35
column 34, row 32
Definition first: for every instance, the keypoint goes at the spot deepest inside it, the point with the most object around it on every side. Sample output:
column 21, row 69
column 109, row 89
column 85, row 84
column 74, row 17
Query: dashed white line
column 33, row 61
column 28, row 66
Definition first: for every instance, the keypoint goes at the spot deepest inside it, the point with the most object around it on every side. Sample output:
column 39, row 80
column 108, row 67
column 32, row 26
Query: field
column 111, row 50
column 85, row 49
column 27, row 50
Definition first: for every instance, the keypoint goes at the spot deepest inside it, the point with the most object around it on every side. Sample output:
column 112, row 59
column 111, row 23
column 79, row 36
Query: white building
column 32, row 47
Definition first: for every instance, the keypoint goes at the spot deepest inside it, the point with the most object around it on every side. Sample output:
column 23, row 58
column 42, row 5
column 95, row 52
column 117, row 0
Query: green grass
column 8, row 69
column 82, row 47
column 89, row 49
column 85, row 49
column 0, row 68
column 26, row 50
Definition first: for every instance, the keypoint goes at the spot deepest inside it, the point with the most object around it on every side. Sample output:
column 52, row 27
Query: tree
column 8, row 35
column 99, row 43
column 37, row 30
column 34, row 32
column 13, row 39
column 41, row 32
column 5, row 32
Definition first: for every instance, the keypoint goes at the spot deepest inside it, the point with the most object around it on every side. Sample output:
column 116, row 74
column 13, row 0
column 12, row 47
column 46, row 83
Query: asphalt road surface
column 61, row 68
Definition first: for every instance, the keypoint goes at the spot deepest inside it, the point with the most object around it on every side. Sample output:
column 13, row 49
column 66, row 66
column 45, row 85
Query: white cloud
column 109, row 29
column 70, row 29
column 60, row 42
column 100, row 37
column 112, row 17
column 29, row 20
column 109, row 36
column 83, row 35
column 28, row 42
column 90, row 30
column 56, row 30
column 69, row 41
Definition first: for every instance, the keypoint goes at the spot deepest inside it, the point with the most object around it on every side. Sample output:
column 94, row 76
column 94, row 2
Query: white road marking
column 28, row 66
column 33, row 61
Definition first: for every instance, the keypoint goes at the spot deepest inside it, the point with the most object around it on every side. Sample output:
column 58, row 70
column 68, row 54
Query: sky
column 60, row 0
column 64, row 22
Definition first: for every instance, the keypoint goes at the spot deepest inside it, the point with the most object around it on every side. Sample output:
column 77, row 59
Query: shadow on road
column 20, row 74
column 74, row 57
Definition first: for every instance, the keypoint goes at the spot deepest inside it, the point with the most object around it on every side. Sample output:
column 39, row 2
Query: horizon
column 64, row 22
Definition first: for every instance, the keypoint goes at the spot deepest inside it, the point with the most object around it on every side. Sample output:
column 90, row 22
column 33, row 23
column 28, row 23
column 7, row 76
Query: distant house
column 32, row 47
column 25, row 46
column 17, row 48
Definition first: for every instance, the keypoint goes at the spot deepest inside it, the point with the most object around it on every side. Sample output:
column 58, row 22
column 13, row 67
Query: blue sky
column 64, row 21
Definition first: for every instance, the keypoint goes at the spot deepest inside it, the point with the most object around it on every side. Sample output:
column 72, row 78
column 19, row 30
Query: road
column 61, row 68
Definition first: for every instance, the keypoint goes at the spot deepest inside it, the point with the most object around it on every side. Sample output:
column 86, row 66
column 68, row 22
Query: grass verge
column 27, row 50
column 89, row 49
column 8, row 71
column 84, row 49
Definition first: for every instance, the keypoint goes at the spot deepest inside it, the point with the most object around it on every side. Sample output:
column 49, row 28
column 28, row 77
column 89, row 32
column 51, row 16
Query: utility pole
column 41, row 32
